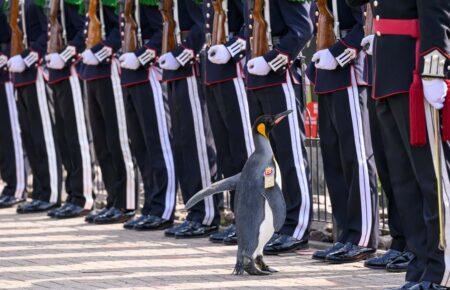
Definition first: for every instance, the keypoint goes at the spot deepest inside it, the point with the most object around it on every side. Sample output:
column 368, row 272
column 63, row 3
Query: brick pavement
column 39, row 253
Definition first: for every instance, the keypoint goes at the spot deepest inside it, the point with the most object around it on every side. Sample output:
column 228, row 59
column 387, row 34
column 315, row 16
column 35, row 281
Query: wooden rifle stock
column 325, row 32
column 168, row 39
column 368, row 25
column 129, row 43
column 17, row 46
column 94, row 34
column 55, row 41
column 259, row 42
column 218, row 33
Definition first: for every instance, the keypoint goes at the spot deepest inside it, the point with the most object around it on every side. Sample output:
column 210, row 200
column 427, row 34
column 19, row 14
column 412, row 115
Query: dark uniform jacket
column 36, row 30
column 351, row 27
column 112, row 40
column 191, row 25
column 216, row 73
column 151, row 27
column 396, row 61
column 291, row 29
column 5, row 35
column 75, row 37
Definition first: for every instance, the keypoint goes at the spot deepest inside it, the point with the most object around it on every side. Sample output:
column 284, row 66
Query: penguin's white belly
column 266, row 230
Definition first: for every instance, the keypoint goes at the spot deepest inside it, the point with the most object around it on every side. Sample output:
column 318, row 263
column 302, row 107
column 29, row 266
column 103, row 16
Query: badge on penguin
column 260, row 209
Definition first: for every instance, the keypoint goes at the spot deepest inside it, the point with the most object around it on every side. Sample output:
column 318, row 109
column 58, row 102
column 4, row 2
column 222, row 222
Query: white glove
column 435, row 91
column 169, row 62
column 258, row 66
column 3, row 60
column 219, row 54
column 324, row 60
column 129, row 61
column 54, row 61
column 16, row 64
column 368, row 41
column 89, row 58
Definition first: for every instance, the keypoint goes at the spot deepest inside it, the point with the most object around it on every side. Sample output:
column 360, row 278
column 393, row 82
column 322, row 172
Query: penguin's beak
column 279, row 117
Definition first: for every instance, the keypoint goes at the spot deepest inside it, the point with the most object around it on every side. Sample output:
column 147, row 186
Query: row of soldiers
column 383, row 109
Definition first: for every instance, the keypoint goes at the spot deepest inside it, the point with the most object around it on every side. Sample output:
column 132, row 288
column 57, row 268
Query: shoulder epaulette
column 4, row 7
column 149, row 2
column 40, row 3
column 110, row 3
column 79, row 3
column 198, row 2
column 300, row 1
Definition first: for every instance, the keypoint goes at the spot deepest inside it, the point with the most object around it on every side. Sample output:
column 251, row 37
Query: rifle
column 325, row 29
column 169, row 26
column 94, row 34
column 55, row 41
column 368, row 24
column 219, row 33
column 130, row 41
column 17, row 43
column 259, row 42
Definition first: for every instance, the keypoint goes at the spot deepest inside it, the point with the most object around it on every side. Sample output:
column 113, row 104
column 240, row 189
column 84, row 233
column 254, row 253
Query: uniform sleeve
column 152, row 47
column 299, row 32
column 112, row 41
column 77, row 22
column 237, row 45
column 5, row 34
column 356, row 3
column 434, row 37
column 40, row 44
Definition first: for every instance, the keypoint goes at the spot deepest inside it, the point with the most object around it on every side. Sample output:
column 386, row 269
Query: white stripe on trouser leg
column 241, row 95
column 48, row 137
column 202, row 152
column 445, row 188
column 363, row 173
column 17, row 140
column 123, row 136
column 82, row 138
column 297, row 153
column 166, row 148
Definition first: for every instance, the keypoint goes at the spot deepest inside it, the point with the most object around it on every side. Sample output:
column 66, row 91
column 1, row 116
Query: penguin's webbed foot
column 239, row 268
column 251, row 269
column 263, row 266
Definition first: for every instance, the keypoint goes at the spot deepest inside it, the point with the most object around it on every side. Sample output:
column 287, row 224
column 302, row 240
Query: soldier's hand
column 258, row 66
column 169, row 62
column 435, row 91
column 3, row 60
column 324, row 60
column 54, row 61
column 89, row 58
column 367, row 44
column 219, row 54
column 16, row 64
column 130, row 61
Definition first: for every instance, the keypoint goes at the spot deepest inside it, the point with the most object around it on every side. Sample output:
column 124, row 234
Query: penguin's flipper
column 275, row 198
column 226, row 184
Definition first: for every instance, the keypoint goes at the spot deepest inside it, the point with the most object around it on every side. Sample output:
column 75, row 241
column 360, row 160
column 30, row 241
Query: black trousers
column 349, row 167
column 194, row 150
column 12, row 165
column 109, row 131
column 381, row 162
column 151, row 146
column 38, row 137
column 230, row 123
column 414, row 185
column 288, row 145
column 72, row 137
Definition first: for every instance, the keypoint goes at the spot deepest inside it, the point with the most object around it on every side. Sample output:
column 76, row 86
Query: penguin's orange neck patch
column 262, row 129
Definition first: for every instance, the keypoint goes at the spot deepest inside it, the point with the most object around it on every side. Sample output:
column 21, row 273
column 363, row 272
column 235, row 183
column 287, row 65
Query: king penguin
column 260, row 209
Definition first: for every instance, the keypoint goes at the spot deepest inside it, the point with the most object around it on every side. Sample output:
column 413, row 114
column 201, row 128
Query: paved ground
column 37, row 253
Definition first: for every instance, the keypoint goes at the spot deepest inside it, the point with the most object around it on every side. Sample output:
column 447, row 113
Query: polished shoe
column 322, row 254
column 52, row 212
column 400, row 264
column 231, row 240
column 114, row 216
column 195, row 230
column 354, row 254
column 129, row 225
column 220, row 235
column 153, row 223
column 285, row 244
column 425, row 285
column 9, row 201
column 35, row 206
column 382, row 261
column 170, row 232
column 93, row 214
column 406, row 286
column 71, row 211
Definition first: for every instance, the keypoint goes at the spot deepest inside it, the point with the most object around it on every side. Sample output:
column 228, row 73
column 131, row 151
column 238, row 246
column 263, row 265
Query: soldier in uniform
column 107, row 117
column 12, row 167
column 34, row 115
column 273, row 86
column 195, row 154
column 70, row 121
column 410, row 92
column 226, row 100
column 147, row 122
column 345, row 139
